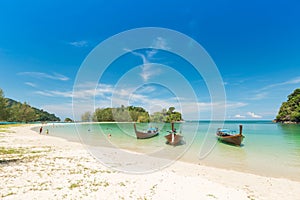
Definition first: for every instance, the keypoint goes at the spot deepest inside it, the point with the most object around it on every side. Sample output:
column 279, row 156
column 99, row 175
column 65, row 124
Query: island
column 131, row 114
column 289, row 112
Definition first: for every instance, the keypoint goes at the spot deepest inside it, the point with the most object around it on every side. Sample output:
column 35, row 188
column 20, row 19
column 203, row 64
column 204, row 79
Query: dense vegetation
column 68, row 120
column 166, row 115
column 131, row 114
column 13, row 111
column 290, row 110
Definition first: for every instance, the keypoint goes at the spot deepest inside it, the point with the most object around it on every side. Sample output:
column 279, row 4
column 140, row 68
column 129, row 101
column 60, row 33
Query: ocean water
column 268, row 149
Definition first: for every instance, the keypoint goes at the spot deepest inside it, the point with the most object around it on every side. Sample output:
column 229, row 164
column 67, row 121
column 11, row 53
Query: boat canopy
column 224, row 130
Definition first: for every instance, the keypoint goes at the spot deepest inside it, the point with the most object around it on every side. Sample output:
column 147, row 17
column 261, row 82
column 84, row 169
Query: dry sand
column 34, row 166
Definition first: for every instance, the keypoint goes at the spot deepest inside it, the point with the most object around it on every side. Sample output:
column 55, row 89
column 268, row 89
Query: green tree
column 103, row 114
column 166, row 116
column 158, row 116
column 296, row 93
column 28, row 113
column 143, row 118
column 290, row 110
column 86, row 117
column 175, row 116
column 164, row 111
column 121, row 114
column 22, row 112
column 41, row 115
column 171, row 109
column 4, row 112
column 68, row 120
column 11, row 110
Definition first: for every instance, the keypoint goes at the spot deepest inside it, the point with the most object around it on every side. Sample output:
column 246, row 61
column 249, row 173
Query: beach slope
column 35, row 166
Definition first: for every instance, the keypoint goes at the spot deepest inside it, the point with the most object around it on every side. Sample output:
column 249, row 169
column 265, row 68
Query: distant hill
column 289, row 111
column 26, row 113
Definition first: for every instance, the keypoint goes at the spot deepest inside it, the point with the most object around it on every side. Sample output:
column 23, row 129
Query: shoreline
column 183, row 158
column 58, row 168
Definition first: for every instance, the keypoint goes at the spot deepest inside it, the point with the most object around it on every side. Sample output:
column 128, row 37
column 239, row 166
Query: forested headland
column 289, row 111
column 13, row 111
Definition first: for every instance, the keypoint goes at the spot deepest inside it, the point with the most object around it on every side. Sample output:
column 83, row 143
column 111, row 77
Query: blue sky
column 255, row 45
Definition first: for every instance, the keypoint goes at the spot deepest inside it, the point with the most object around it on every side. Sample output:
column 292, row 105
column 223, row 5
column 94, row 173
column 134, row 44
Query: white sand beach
column 34, row 166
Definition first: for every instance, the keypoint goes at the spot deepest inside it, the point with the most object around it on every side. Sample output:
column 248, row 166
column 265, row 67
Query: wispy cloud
column 30, row 84
column 82, row 93
column 160, row 43
column 49, row 93
column 149, row 71
column 253, row 115
column 220, row 105
column 264, row 92
column 238, row 116
column 259, row 96
column 81, row 43
column 144, row 58
column 40, row 75
column 147, row 68
column 105, row 95
column 289, row 82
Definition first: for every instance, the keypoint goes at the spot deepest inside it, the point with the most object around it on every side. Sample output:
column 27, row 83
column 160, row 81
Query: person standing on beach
column 41, row 129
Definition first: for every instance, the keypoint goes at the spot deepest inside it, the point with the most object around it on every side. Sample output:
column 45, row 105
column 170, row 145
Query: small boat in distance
column 229, row 136
column 173, row 138
column 151, row 132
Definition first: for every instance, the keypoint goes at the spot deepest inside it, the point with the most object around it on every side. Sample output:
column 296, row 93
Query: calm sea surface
column 268, row 149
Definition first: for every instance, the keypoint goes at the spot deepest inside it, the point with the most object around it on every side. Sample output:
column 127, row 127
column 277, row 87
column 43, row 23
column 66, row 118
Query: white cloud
column 82, row 92
column 264, row 92
column 81, row 43
column 40, row 75
column 62, row 110
column 54, row 93
column 151, row 53
column 288, row 82
column 259, row 96
column 105, row 95
column 148, row 70
column 160, row 43
column 192, row 109
column 30, row 84
column 238, row 116
column 45, row 93
column 253, row 115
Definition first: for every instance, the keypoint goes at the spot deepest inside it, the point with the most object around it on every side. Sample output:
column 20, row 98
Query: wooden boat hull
column 174, row 141
column 232, row 139
column 142, row 135
column 226, row 136
column 145, row 135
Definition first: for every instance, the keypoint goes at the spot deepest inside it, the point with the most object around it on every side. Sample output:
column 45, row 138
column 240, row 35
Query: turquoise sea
column 268, row 149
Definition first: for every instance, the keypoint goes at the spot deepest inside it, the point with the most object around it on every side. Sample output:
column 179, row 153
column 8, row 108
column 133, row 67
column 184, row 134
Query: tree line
column 13, row 111
column 131, row 114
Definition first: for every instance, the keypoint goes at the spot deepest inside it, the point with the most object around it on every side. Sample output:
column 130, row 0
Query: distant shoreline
column 110, row 122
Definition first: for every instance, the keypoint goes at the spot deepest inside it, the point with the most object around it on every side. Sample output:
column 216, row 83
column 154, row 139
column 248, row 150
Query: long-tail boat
column 229, row 136
column 151, row 132
column 173, row 138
